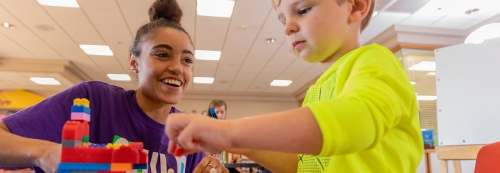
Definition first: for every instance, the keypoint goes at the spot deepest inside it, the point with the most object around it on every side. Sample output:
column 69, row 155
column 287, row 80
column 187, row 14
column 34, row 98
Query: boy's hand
column 197, row 133
column 49, row 157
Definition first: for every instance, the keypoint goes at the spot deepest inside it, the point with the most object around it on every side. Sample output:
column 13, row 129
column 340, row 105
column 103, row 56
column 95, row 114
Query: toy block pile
column 80, row 156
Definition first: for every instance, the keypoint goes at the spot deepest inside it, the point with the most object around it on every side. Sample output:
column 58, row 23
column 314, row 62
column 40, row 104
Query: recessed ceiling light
column 431, row 73
column 424, row 66
column 8, row 25
column 427, row 98
column 101, row 50
column 45, row 81
column 281, row 82
column 270, row 40
column 203, row 80
column 119, row 77
column 413, row 83
column 59, row 3
column 472, row 11
column 207, row 55
column 215, row 8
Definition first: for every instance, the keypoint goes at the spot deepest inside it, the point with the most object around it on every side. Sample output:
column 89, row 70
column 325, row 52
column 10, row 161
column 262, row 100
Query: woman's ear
column 359, row 10
column 132, row 63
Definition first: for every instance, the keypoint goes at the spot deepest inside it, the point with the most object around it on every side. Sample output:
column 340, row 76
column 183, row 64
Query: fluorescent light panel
column 101, row 50
column 203, row 80
column 215, row 8
column 424, row 66
column 45, row 81
column 59, row 3
column 426, row 98
column 119, row 77
column 281, row 82
column 207, row 55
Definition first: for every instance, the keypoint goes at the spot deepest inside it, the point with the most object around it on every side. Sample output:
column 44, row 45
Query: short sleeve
column 45, row 120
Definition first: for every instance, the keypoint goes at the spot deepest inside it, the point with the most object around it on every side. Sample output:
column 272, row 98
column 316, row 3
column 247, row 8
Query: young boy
column 360, row 116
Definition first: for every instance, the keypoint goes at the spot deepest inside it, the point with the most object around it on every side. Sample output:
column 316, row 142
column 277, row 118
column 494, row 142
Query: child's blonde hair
column 365, row 21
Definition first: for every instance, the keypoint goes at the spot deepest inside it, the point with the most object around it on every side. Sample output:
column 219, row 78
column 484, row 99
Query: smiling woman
column 162, row 58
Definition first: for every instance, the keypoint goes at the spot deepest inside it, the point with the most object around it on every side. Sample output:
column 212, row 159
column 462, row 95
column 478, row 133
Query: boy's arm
column 288, row 131
column 276, row 162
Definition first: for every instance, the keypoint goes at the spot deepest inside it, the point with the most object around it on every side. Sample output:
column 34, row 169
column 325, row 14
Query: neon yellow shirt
column 367, row 111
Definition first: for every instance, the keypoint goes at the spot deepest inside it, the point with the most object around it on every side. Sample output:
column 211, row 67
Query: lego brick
column 80, row 109
column 63, row 171
column 71, row 143
column 81, row 101
column 86, row 128
column 72, row 130
column 80, row 116
column 143, row 157
column 121, row 167
column 140, row 166
column 137, row 145
column 91, row 155
column 125, row 154
column 85, row 166
column 85, row 139
column 83, row 172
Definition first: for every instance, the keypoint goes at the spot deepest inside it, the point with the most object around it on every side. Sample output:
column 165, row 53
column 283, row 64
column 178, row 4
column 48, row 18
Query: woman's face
column 165, row 66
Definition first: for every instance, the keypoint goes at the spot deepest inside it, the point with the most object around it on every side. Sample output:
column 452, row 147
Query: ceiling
column 248, row 64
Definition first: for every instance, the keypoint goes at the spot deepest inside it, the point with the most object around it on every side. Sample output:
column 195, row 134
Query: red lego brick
column 143, row 157
column 72, row 130
column 89, row 155
column 86, row 128
column 137, row 145
column 125, row 154
column 178, row 151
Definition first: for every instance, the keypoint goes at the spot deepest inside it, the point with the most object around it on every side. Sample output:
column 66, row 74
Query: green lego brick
column 85, row 139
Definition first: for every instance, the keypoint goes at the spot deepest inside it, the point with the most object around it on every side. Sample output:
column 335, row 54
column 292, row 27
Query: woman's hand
column 210, row 164
column 48, row 157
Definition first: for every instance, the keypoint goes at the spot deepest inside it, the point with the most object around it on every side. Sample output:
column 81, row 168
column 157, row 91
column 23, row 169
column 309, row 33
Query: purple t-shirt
column 114, row 111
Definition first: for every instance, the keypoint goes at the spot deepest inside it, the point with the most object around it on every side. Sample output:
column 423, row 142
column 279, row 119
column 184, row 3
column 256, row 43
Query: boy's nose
column 290, row 28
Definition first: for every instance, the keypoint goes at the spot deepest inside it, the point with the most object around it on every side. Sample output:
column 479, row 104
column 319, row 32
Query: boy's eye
column 303, row 11
column 162, row 55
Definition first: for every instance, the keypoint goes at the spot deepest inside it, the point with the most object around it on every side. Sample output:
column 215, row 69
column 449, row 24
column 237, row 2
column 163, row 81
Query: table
column 243, row 165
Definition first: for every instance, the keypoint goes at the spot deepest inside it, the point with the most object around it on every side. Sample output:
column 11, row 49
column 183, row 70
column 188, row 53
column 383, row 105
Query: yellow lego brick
column 81, row 101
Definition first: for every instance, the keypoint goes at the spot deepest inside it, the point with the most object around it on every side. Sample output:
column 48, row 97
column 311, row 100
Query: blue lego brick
column 84, row 166
column 140, row 166
column 63, row 171
column 80, row 108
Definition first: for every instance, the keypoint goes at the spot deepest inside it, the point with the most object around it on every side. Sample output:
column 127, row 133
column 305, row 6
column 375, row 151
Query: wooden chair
column 456, row 153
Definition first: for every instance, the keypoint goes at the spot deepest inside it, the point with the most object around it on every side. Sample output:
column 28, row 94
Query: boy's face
column 315, row 29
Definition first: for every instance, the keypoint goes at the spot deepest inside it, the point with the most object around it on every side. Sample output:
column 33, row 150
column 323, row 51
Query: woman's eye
column 303, row 11
column 188, row 60
column 162, row 55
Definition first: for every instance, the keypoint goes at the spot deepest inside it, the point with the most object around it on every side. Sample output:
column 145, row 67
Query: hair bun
column 166, row 9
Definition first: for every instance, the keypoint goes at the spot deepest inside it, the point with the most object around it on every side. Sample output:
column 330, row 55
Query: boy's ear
column 359, row 10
